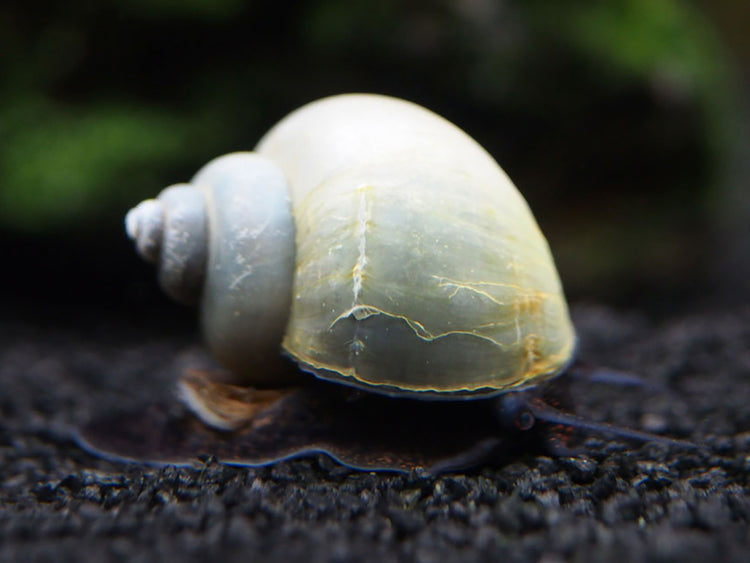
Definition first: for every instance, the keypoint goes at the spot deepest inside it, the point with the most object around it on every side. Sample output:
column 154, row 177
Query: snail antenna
column 598, row 374
column 549, row 414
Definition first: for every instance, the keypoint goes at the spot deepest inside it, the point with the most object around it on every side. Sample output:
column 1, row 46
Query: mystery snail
column 381, row 248
column 378, row 241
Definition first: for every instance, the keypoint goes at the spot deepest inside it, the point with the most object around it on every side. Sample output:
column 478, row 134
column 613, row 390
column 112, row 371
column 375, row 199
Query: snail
column 388, row 255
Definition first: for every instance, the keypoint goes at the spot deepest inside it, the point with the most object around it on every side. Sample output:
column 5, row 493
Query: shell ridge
column 363, row 223
column 356, row 346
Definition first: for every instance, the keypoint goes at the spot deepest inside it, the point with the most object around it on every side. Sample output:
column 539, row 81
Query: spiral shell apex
column 171, row 232
column 226, row 242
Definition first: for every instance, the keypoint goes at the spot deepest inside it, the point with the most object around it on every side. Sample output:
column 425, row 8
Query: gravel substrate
column 615, row 502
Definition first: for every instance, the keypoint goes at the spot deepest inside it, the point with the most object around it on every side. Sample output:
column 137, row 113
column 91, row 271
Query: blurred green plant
column 597, row 109
column 63, row 160
column 64, row 166
column 667, row 43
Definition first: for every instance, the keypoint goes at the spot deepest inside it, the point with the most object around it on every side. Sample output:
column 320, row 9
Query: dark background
column 623, row 123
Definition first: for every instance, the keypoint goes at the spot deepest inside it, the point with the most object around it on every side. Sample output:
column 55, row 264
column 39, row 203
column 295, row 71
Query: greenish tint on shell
column 419, row 266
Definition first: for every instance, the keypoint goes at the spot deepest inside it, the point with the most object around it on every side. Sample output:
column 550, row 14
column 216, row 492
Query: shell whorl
column 247, row 294
column 170, row 231
column 226, row 242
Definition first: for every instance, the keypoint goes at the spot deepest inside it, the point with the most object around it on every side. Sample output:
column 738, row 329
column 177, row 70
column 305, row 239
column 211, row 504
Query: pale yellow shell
column 419, row 267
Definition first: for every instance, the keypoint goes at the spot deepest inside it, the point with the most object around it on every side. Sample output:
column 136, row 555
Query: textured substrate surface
column 613, row 503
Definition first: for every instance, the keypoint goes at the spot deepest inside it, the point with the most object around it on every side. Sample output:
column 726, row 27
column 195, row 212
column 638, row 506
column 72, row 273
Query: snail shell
column 379, row 244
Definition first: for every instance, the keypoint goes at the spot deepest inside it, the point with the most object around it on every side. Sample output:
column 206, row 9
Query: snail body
column 374, row 241
column 381, row 248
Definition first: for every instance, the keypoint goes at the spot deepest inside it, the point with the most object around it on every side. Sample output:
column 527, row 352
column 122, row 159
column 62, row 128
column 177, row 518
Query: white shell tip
column 144, row 225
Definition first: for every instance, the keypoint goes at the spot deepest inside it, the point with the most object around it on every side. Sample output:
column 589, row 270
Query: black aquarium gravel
column 615, row 502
